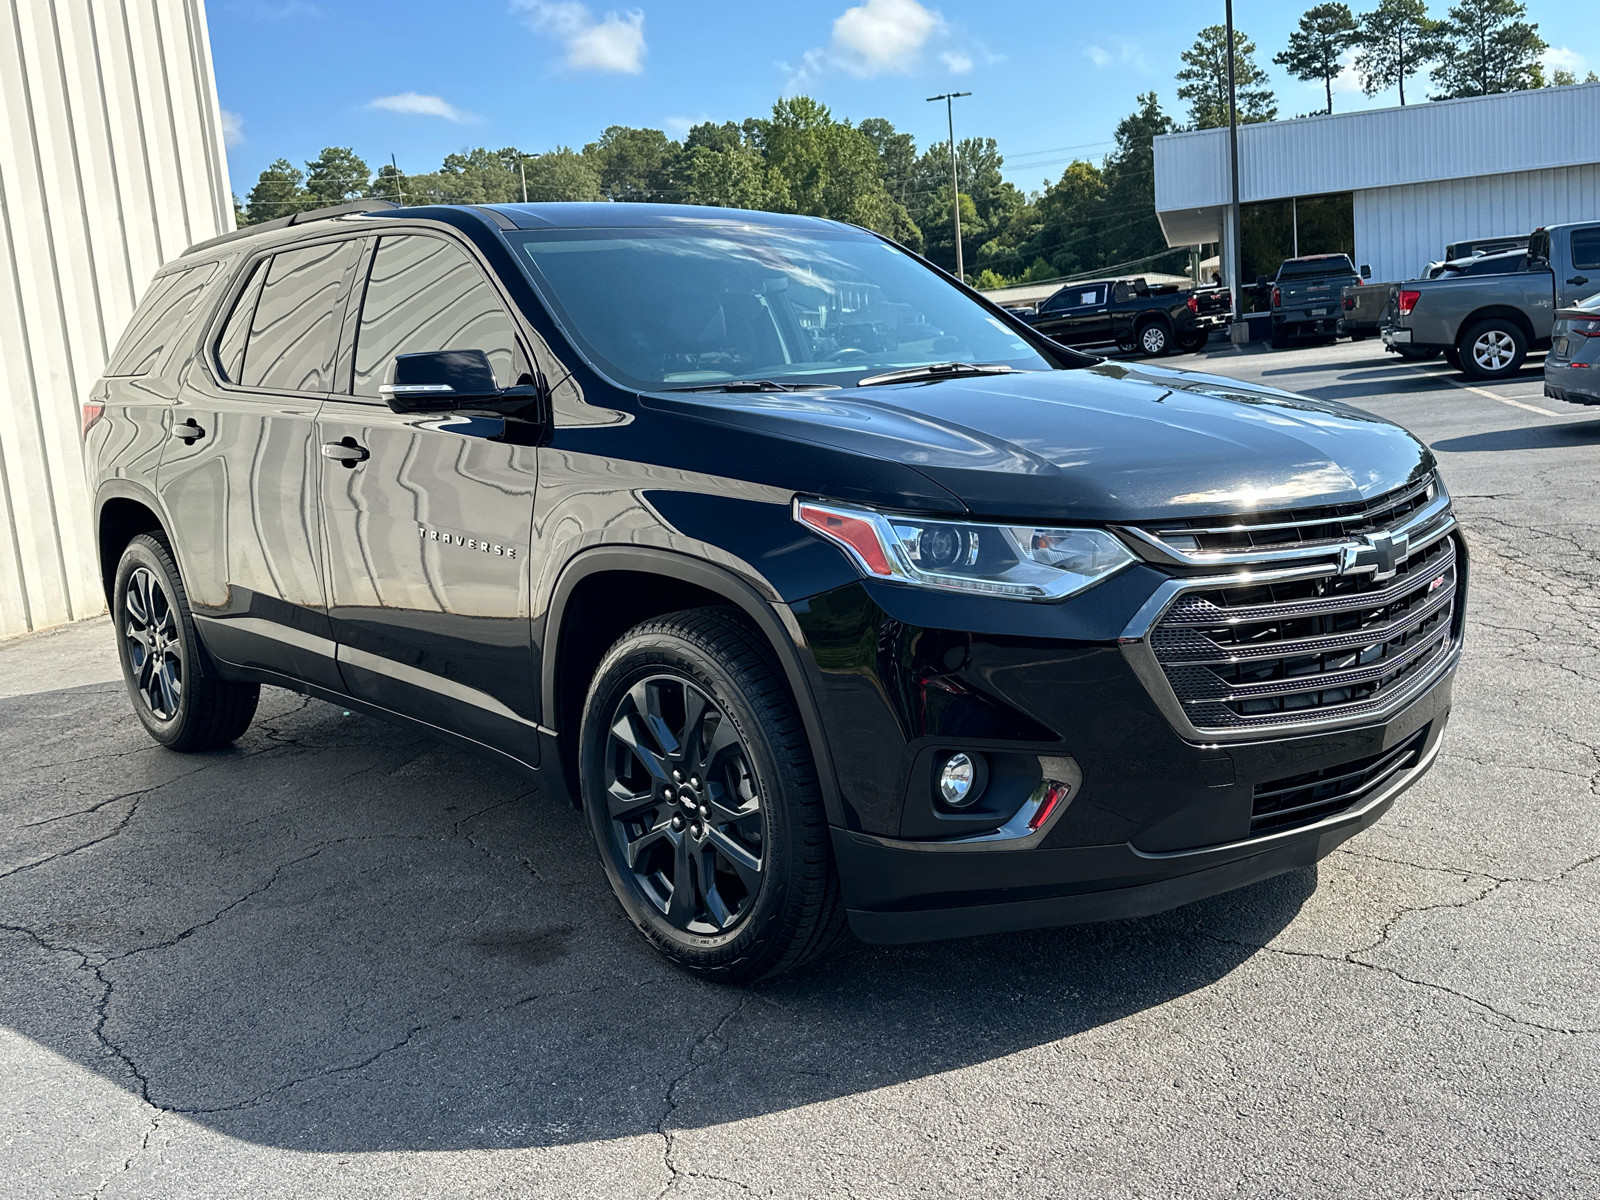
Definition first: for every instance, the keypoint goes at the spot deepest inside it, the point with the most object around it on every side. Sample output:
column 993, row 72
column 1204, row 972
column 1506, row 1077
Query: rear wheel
column 183, row 708
column 1280, row 338
column 1190, row 342
column 703, row 799
column 1492, row 349
column 1154, row 339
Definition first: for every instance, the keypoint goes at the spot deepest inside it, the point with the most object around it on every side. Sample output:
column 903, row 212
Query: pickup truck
column 1306, row 296
column 1368, row 307
column 1362, row 309
column 1135, row 315
column 1485, row 324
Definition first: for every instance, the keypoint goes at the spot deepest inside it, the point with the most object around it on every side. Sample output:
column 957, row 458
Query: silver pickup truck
column 1485, row 324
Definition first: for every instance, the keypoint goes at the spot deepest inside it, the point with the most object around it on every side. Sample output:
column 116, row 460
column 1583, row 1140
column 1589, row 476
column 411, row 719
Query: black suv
column 836, row 596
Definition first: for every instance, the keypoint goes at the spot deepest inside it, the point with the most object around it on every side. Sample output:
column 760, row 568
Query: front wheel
column 703, row 799
column 182, row 707
column 1492, row 349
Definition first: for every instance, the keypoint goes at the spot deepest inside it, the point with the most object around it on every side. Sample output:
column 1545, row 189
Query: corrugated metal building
column 1398, row 183
column 111, row 163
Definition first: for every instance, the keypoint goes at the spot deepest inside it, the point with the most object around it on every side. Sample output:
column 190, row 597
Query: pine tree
column 1486, row 47
column 1397, row 40
column 1204, row 80
column 277, row 193
column 1325, row 33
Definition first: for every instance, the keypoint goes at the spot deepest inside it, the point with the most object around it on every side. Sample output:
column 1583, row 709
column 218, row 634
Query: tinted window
column 425, row 294
column 1337, row 265
column 1586, row 249
column 296, row 326
column 230, row 345
column 158, row 320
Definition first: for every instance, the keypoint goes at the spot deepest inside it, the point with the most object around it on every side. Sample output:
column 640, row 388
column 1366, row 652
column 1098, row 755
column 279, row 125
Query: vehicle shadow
column 334, row 937
column 1536, row 437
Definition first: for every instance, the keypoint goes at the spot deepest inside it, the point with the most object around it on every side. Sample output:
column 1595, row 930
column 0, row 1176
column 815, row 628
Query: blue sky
column 419, row 78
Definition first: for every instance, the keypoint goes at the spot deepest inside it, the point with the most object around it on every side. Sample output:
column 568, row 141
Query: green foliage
column 1484, row 47
column 1325, row 32
column 336, row 175
column 1397, row 40
column 1204, row 80
column 634, row 164
column 562, row 174
column 822, row 167
column 277, row 193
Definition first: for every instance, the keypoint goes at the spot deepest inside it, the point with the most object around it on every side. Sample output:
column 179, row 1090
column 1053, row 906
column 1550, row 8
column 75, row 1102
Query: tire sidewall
column 1157, row 328
column 1469, row 364
column 144, row 551
column 654, row 653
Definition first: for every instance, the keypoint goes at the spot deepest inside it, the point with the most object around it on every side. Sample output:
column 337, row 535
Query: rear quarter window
column 159, row 319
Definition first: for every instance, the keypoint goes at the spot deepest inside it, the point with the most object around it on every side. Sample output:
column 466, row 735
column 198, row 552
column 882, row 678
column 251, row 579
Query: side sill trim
column 429, row 682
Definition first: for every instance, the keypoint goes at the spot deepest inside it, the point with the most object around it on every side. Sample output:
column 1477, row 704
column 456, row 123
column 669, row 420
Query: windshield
column 698, row 305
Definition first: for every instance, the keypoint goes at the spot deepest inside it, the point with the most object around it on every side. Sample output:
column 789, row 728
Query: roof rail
column 299, row 218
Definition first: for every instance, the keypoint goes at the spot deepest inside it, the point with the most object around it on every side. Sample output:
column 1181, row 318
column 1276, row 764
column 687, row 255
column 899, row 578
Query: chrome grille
column 1264, row 654
column 1312, row 795
column 1306, row 528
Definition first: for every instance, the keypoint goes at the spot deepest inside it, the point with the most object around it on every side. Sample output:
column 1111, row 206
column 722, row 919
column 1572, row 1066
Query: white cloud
column 232, row 128
column 614, row 43
column 421, row 106
column 1126, row 54
column 679, row 127
column 1562, row 58
column 959, row 61
column 1347, row 82
column 1097, row 55
column 882, row 36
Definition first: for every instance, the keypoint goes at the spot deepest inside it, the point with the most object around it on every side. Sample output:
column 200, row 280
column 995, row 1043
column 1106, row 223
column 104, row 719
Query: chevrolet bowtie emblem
column 1380, row 553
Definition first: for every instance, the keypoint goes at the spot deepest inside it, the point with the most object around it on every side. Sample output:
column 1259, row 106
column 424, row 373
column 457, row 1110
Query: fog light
column 959, row 784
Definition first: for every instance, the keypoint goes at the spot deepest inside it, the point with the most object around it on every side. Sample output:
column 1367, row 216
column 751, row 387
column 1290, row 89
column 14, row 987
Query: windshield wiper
column 948, row 370
column 739, row 385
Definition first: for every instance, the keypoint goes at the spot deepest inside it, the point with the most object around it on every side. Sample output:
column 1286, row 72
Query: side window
column 158, row 320
column 231, row 343
column 1089, row 297
column 423, row 293
column 295, row 329
column 1539, row 245
column 1119, row 293
column 1586, row 249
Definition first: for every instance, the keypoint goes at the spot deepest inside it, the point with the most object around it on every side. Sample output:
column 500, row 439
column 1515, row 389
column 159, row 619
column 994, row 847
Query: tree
column 822, row 167
column 1325, row 33
column 336, row 175
column 481, row 176
column 277, row 193
column 1204, row 80
column 1486, row 47
column 1397, row 39
column 634, row 164
column 897, row 157
column 562, row 174
column 731, row 177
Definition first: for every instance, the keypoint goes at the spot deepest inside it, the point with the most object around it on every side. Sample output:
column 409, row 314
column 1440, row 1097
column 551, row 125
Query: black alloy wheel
column 703, row 798
column 179, row 699
column 683, row 805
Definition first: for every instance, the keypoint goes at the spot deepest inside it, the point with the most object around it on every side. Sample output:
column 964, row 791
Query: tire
column 1280, row 339
column 1189, row 343
column 181, row 705
column 1154, row 339
column 733, row 799
column 1452, row 358
column 1492, row 349
column 1415, row 353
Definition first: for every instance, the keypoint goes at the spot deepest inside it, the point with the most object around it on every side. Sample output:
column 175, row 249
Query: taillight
column 1589, row 327
column 1349, row 303
column 1194, row 303
column 1408, row 301
column 1277, row 298
column 91, row 416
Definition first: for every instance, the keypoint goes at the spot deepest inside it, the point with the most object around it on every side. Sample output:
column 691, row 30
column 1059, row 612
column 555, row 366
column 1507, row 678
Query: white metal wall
column 1400, row 230
column 111, row 163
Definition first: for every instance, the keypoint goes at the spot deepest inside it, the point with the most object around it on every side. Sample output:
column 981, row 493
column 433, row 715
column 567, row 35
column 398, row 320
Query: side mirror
column 439, row 381
column 1366, row 271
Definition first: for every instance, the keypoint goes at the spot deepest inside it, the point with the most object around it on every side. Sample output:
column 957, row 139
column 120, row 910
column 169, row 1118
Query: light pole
column 949, row 99
column 1235, row 251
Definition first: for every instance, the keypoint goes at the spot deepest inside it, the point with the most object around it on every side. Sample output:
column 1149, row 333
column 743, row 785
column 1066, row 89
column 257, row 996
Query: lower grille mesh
column 1303, row 799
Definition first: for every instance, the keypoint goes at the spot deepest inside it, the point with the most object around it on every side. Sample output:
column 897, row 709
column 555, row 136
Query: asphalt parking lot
column 339, row 961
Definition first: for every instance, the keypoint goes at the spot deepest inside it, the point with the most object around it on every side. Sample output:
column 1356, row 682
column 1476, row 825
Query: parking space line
column 1467, row 387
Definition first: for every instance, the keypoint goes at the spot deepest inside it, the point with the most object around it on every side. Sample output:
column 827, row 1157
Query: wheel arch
column 607, row 590
column 1492, row 312
column 123, row 512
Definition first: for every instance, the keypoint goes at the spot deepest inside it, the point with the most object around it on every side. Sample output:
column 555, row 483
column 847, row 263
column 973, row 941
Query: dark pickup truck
column 1307, row 296
column 1154, row 319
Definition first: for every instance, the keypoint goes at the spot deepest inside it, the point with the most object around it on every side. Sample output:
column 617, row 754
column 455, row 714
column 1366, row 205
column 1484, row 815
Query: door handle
column 188, row 431
column 1579, row 279
column 345, row 450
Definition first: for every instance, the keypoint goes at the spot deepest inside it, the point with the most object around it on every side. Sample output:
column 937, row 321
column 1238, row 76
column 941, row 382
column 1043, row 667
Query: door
column 1583, row 280
column 1080, row 317
column 239, row 473
column 428, row 518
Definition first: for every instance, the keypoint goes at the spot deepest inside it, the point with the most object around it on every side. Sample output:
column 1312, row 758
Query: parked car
column 1362, row 308
column 1503, row 262
column 1306, row 296
column 1469, row 247
column 1153, row 320
column 967, row 633
column 1484, row 324
column 1575, row 346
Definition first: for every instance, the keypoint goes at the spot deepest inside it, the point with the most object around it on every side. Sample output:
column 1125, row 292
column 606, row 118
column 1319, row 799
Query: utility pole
column 398, row 190
column 1241, row 328
column 949, row 99
column 522, row 169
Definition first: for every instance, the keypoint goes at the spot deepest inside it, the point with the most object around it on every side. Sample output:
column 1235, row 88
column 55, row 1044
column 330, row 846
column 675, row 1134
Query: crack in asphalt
column 710, row 1037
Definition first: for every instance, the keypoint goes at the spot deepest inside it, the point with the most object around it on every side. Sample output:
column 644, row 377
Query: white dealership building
column 1389, row 186
column 111, row 163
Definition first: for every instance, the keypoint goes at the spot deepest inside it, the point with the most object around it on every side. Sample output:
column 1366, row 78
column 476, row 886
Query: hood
column 1113, row 442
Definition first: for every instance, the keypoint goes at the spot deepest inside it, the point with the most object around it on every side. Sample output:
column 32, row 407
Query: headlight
column 1022, row 562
